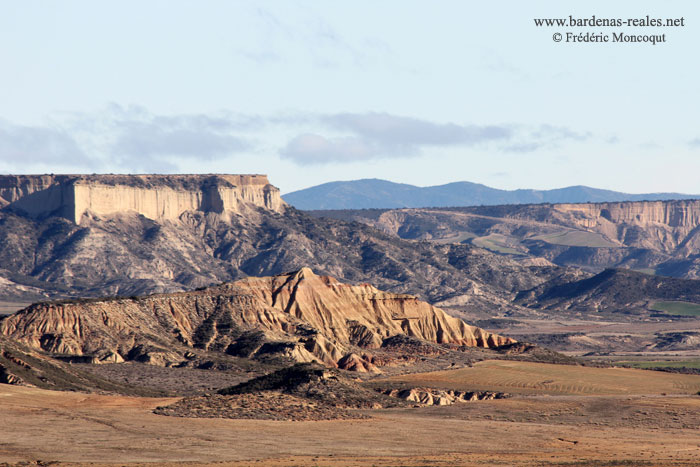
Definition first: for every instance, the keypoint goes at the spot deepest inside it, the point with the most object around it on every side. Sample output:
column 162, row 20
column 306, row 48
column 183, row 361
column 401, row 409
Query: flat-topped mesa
column 678, row 213
column 156, row 197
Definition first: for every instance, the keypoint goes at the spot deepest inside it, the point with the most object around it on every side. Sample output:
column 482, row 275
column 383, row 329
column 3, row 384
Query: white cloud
column 376, row 135
column 397, row 130
column 308, row 149
column 24, row 146
column 134, row 139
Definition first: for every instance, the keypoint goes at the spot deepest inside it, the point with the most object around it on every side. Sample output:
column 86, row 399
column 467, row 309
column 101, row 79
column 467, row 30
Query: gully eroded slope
column 300, row 315
column 660, row 235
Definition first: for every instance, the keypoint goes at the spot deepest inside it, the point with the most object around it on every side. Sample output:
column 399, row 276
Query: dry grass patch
column 542, row 378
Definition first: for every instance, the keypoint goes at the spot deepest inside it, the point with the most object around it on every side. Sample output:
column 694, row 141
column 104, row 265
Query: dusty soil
column 7, row 308
column 42, row 427
column 579, row 336
column 517, row 377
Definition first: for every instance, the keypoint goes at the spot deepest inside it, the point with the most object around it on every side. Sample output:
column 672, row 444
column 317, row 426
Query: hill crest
column 299, row 315
column 383, row 194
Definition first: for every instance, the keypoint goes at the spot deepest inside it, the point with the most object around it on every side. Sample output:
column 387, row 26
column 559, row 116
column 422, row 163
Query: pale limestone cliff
column 310, row 317
column 667, row 230
column 659, row 225
column 683, row 213
column 158, row 197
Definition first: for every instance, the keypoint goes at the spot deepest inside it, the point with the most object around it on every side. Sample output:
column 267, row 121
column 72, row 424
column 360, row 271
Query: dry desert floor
column 637, row 426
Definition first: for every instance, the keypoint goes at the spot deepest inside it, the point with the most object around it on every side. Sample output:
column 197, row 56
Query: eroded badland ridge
column 108, row 235
column 651, row 235
column 301, row 316
column 145, row 234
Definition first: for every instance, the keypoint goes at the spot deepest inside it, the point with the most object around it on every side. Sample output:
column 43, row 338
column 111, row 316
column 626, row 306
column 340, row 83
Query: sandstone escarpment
column 157, row 197
column 660, row 225
column 128, row 254
column 650, row 235
column 681, row 213
column 299, row 315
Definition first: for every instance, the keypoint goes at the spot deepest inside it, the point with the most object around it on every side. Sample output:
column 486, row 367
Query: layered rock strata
column 298, row 315
column 157, row 197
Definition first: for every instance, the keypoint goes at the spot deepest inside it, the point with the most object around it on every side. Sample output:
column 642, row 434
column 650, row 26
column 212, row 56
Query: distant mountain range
column 376, row 193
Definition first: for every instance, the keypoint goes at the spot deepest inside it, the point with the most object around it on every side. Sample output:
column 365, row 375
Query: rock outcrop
column 133, row 238
column 432, row 396
column 300, row 315
column 680, row 213
column 156, row 197
column 20, row 365
column 662, row 225
column 660, row 235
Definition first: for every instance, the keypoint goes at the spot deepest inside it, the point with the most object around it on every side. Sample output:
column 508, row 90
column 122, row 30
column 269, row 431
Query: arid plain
column 640, row 427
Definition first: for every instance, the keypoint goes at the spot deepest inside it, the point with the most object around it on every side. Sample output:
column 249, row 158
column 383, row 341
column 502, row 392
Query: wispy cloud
column 21, row 145
column 374, row 135
column 392, row 130
column 127, row 138
column 558, row 133
column 134, row 139
column 542, row 137
column 311, row 39
column 143, row 140
column 523, row 147
column 310, row 149
column 383, row 136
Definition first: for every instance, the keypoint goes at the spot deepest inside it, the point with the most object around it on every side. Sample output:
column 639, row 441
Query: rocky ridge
column 156, row 197
column 432, row 396
column 127, row 254
column 299, row 316
column 611, row 291
column 20, row 365
column 660, row 235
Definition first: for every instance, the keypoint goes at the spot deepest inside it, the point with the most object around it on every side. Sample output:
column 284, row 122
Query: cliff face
column 127, row 254
column 659, row 235
column 659, row 225
column 299, row 315
column 157, row 197
column 683, row 213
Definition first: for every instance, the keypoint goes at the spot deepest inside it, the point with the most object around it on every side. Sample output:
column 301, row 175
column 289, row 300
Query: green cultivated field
column 577, row 238
column 677, row 308
column 459, row 238
column 660, row 364
column 496, row 243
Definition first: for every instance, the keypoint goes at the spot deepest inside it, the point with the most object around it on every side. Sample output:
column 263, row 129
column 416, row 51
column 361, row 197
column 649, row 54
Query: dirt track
column 69, row 427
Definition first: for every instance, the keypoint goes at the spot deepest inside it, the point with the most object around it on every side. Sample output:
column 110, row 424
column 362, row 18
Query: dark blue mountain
column 375, row 193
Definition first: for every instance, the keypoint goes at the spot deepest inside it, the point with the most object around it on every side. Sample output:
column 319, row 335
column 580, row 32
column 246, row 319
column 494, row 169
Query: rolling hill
column 376, row 193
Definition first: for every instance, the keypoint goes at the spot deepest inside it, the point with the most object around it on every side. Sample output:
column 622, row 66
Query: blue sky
column 313, row 91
